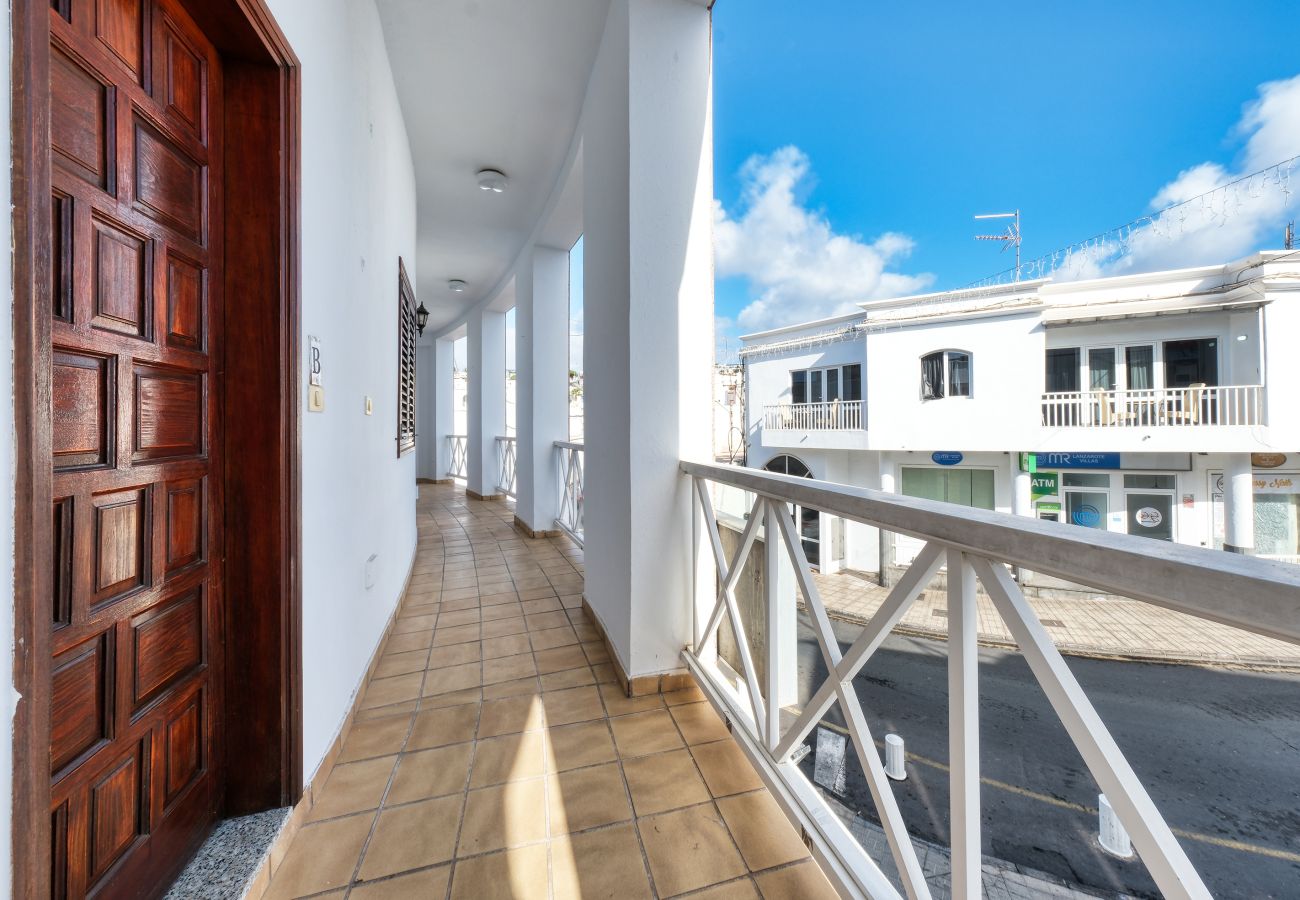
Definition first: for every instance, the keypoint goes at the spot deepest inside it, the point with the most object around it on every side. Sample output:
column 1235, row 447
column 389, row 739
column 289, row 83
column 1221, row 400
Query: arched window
column 945, row 373
column 810, row 520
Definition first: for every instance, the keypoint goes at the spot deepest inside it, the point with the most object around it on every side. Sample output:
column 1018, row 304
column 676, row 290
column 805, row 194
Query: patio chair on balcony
column 1188, row 412
column 1106, row 412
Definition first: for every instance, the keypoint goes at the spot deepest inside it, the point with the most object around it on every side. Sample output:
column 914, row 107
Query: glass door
column 1151, row 515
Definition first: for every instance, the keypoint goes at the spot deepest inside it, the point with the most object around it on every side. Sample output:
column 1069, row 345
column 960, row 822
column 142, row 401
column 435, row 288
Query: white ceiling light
column 492, row 180
column 456, row 285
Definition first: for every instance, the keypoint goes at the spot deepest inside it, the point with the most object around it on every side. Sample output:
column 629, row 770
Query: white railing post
column 772, row 628
column 507, row 448
column 569, row 459
column 457, row 455
column 963, row 728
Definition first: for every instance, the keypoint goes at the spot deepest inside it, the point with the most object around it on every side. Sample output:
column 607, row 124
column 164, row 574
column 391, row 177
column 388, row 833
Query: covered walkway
column 492, row 752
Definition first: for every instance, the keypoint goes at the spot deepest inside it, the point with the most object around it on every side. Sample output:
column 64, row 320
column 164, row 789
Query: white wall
column 358, row 216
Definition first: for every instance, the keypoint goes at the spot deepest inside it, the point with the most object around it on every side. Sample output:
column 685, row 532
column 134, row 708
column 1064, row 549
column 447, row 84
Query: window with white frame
column 945, row 373
column 826, row 384
column 1142, row 366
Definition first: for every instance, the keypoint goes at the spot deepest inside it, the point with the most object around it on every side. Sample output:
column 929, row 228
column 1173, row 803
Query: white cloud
column 800, row 268
column 1229, row 224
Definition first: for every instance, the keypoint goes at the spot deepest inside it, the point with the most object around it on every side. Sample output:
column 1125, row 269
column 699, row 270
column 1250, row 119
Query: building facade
column 1160, row 405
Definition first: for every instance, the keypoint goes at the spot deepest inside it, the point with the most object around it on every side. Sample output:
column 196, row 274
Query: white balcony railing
column 569, row 457
column 976, row 547
column 1241, row 404
column 837, row 415
column 506, row 454
column 457, row 455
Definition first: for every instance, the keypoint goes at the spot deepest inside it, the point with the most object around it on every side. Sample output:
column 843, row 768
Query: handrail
column 570, row 457
column 976, row 547
column 507, row 455
column 1258, row 595
column 457, row 456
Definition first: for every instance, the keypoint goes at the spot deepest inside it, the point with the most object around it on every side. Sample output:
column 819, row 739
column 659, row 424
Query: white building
column 1161, row 405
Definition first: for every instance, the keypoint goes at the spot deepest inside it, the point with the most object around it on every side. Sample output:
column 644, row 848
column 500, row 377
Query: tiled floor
column 494, row 756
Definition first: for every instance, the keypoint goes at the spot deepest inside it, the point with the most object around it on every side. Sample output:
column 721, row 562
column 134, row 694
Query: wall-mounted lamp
column 1241, row 337
column 421, row 318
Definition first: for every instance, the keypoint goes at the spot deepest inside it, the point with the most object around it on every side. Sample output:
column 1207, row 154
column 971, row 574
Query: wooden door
column 136, row 611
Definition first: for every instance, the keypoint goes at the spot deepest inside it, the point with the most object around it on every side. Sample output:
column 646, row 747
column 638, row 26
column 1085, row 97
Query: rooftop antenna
column 1009, row 238
column 1288, row 241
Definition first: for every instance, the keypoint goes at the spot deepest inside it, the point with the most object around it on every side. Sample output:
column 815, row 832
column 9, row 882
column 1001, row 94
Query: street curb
column 1248, row 663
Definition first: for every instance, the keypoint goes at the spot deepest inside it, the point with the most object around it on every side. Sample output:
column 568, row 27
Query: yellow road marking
column 1225, row 843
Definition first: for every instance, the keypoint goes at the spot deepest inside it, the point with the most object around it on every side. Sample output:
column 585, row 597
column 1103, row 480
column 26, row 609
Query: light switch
column 316, row 398
column 370, row 407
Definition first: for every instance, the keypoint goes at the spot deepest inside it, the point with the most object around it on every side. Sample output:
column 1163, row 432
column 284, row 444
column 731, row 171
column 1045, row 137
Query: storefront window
column 966, row 487
column 1277, row 525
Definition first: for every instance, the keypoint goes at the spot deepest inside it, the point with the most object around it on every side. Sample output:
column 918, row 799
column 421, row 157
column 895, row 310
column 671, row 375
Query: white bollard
column 894, row 757
column 1111, row 835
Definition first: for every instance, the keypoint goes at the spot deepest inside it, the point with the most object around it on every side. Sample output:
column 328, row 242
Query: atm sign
column 1045, row 484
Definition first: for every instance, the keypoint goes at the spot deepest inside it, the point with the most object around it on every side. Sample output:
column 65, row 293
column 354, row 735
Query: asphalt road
column 1218, row 751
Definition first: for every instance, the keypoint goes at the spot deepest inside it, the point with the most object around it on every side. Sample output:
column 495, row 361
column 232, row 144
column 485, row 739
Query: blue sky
column 900, row 121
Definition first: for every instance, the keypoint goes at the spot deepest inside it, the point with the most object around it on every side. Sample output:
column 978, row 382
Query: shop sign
column 1265, row 483
column 1044, row 484
column 1148, row 517
column 1267, row 460
column 1079, row 460
column 1046, row 507
column 946, row 458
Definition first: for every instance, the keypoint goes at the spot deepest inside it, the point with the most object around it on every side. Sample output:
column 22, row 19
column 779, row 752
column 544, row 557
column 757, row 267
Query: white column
column 1239, row 505
column 1022, row 500
column 486, row 400
column 541, row 384
column 443, row 420
column 648, row 317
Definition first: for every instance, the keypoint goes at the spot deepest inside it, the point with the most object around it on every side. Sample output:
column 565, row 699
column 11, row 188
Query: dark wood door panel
column 137, row 586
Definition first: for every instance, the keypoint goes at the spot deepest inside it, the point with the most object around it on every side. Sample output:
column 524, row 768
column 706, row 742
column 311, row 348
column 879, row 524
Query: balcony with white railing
column 569, row 458
column 457, row 456
column 836, row 415
column 1197, row 406
column 766, row 654
column 507, row 453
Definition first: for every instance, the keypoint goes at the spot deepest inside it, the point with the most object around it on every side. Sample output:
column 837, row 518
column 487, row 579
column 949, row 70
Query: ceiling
column 486, row 84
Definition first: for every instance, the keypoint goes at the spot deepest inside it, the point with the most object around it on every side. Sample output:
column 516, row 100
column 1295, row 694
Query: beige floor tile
column 401, row 663
column 500, row 611
column 410, row 837
column 802, row 882
column 378, row 737
column 643, row 733
column 511, row 688
column 664, row 781
column 353, row 787
column 321, row 857
column 439, row 727
column 725, row 768
column 605, row 673
column 542, row 620
column 457, row 617
column 584, row 744
column 402, row 643
column 383, row 712
column 431, row 773
column 762, row 832
column 740, row 889
column 387, row 691
column 414, row 624
column 509, row 668
column 605, row 863
column 689, row 695
column 578, row 704
column 550, row 638
column 567, row 678
column 688, row 849
column 503, row 816
column 454, row 655
column 430, row 883
column 452, row 698
column 584, row 798
column 503, row 627
column 509, row 645
column 559, row 658
column 520, row 874
column 457, row 635
column 699, row 724
column 511, row 714
column 620, row 704
column 513, row 757
column 452, row 678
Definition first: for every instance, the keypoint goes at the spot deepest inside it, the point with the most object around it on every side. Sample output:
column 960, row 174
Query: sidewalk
column 1107, row 627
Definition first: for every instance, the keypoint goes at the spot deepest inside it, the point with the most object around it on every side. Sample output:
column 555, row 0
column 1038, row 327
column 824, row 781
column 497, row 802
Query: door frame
column 261, row 640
